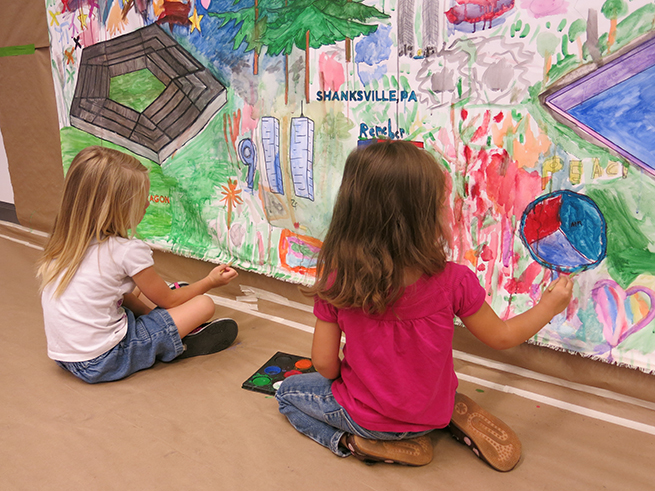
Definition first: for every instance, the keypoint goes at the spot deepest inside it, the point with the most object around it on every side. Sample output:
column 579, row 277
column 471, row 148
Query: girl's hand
column 222, row 275
column 558, row 294
column 499, row 334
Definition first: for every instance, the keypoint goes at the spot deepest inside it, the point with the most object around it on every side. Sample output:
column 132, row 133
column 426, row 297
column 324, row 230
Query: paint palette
column 282, row 365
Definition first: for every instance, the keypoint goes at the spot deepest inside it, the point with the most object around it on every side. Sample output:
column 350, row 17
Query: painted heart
column 618, row 309
column 205, row 3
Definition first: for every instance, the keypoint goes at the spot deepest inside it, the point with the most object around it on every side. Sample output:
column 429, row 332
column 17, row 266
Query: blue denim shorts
column 149, row 338
column 307, row 402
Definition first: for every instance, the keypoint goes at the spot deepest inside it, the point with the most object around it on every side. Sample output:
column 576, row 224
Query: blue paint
column 583, row 225
column 374, row 48
column 271, row 149
column 272, row 370
column 248, row 155
column 555, row 249
column 625, row 115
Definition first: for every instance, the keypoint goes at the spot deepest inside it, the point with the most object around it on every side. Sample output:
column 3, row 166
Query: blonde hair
column 105, row 195
column 388, row 218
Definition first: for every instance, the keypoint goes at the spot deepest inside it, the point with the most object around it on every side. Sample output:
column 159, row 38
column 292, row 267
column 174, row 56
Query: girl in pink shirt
column 384, row 281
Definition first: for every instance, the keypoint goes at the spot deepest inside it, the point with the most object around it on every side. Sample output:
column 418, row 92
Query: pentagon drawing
column 190, row 98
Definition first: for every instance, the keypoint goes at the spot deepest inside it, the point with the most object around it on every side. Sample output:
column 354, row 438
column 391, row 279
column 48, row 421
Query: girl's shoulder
column 453, row 271
column 453, row 276
column 119, row 247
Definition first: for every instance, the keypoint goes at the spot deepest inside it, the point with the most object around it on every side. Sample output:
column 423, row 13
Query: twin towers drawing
column 301, row 156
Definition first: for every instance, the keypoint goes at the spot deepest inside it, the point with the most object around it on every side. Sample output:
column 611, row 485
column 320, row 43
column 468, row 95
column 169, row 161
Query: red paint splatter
column 464, row 114
column 499, row 117
column 474, row 11
column 175, row 12
column 468, row 153
column 572, row 309
column 525, row 281
column 487, row 254
column 484, row 128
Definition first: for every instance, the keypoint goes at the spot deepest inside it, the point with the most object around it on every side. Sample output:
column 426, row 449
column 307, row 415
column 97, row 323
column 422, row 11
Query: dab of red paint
column 464, row 114
column 543, row 219
column 499, row 117
column 482, row 130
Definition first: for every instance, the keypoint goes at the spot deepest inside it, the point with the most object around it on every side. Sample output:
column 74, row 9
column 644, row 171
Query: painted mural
column 244, row 111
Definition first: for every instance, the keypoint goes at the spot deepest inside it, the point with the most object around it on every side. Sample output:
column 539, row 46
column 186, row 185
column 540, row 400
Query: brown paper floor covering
column 190, row 425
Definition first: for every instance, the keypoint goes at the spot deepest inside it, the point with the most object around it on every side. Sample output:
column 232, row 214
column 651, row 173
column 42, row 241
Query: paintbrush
column 570, row 275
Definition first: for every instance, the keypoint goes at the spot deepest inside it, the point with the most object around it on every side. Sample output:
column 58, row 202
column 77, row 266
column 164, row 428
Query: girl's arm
column 158, row 292
column 498, row 334
column 325, row 349
column 132, row 302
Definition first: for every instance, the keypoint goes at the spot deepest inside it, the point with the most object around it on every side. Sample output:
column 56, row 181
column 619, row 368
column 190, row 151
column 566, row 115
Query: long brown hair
column 387, row 219
column 105, row 195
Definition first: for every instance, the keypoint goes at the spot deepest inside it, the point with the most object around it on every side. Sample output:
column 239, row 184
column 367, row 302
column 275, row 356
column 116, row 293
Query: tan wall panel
column 28, row 115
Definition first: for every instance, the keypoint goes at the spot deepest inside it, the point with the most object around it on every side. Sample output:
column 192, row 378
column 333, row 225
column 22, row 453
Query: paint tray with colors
column 269, row 377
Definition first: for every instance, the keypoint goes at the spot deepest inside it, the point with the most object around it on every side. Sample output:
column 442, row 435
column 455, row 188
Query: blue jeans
column 149, row 338
column 307, row 402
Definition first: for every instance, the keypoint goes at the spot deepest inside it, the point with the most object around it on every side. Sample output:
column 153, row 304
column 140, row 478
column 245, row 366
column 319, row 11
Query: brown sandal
column 414, row 451
column 489, row 438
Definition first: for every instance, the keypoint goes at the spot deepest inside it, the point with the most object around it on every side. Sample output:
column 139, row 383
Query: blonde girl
column 385, row 282
column 96, row 326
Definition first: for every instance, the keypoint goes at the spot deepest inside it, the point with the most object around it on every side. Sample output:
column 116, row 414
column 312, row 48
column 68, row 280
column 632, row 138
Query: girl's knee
column 205, row 306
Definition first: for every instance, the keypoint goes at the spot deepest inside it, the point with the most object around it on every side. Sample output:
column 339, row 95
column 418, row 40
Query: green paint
column 642, row 341
column 261, row 380
column 561, row 25
column 630, row 233
column 613, row 9
column 547, row 44
column 516, row 27
column 640, row 22
column 576, row 29
column 565, row 45
column 526, row 31
column 591, row 330
column 25, row 49
column 564, row 65
column 136, row 90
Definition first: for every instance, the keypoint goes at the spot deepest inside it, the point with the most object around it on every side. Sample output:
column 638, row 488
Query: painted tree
column 547, row 44
column 308, row 24
column 612, row 10
column 252, row 22
column 576, row 30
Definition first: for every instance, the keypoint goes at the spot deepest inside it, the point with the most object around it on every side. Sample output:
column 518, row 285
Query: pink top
column 397, row 373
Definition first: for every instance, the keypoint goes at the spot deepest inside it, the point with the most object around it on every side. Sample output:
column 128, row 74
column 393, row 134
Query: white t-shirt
column 87, row 319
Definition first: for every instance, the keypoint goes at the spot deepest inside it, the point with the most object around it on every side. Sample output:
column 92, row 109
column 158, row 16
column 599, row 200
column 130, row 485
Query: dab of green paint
column 136, row 90
column 261, row 380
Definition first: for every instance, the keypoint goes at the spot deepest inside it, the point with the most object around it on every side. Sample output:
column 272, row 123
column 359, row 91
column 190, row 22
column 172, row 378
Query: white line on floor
column 247, row 308
column 574, row 408
column 504, row 367
column 24, row 229
column 25, row 243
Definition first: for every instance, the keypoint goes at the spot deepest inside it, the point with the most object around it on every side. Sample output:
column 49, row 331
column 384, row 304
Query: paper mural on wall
column 244, row 112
